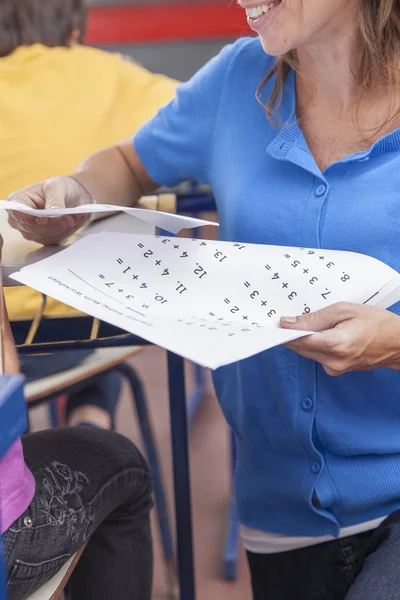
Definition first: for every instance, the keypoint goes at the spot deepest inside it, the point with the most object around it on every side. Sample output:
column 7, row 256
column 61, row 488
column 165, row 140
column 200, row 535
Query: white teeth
column 256, row 12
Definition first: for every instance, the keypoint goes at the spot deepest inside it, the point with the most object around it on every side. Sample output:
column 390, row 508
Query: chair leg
column 53, row 413
column 231, row 550
column 140, row 402
column 181, row 470
column 198, row 395
column 57, row 411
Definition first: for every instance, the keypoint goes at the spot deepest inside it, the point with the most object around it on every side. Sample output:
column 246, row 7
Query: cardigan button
column 315, row 466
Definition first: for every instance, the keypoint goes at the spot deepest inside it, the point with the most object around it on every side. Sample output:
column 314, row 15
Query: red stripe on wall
column 165, row 22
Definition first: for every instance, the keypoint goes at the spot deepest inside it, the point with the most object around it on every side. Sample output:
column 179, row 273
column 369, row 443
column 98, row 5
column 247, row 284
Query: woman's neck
column 326, row 76
column 327, row 89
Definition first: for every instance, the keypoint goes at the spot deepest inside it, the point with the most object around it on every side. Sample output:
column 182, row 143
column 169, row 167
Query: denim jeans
column 360, row 567
column 92, row 486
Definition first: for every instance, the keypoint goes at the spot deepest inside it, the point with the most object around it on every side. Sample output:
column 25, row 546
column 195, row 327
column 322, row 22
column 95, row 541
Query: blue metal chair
column 57, row 334
column 77, row 378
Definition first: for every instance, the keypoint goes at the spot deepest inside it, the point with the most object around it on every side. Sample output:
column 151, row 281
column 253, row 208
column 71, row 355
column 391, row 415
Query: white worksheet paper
column 212, row 302
column 169, row 222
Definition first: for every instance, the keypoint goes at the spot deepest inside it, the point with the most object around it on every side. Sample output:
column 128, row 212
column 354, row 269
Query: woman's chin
column 274, row 48
column 276, row 45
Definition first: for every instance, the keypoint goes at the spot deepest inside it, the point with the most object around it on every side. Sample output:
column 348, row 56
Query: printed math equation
column 212, row 302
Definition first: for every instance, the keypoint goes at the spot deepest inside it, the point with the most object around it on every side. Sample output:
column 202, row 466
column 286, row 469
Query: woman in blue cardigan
column 297, row 132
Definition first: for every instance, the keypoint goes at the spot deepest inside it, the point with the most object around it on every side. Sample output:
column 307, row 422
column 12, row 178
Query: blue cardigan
column 315, row 453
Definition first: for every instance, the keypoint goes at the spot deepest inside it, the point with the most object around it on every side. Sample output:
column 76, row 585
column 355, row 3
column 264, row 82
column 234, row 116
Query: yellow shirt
column 57, row 106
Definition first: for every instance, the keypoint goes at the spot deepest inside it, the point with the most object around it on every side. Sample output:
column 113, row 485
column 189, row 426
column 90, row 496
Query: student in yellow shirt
column 59, row 102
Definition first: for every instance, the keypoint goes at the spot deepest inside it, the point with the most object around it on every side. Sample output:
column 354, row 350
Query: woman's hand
column 57, row 192
column 351, row 337
column 114, row 175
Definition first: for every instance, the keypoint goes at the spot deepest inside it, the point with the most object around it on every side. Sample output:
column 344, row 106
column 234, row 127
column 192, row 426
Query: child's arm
column 9, row 353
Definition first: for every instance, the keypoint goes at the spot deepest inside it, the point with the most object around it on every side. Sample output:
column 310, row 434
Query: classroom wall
column 176, row 43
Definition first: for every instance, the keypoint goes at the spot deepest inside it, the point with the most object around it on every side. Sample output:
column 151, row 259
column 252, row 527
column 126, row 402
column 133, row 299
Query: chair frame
column 192, row 200
column 141, row 409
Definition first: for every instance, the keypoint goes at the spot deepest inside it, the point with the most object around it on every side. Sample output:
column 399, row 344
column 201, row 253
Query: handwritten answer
column 212, row 302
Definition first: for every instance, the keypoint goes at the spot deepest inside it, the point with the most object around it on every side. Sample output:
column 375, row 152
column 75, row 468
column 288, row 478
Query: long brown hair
column 376, row 56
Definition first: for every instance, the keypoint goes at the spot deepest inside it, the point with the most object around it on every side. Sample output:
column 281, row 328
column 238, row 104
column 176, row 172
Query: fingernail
column 291, row 320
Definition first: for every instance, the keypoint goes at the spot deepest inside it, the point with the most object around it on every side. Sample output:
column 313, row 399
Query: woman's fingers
column 46, row 234
column 57, row 192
